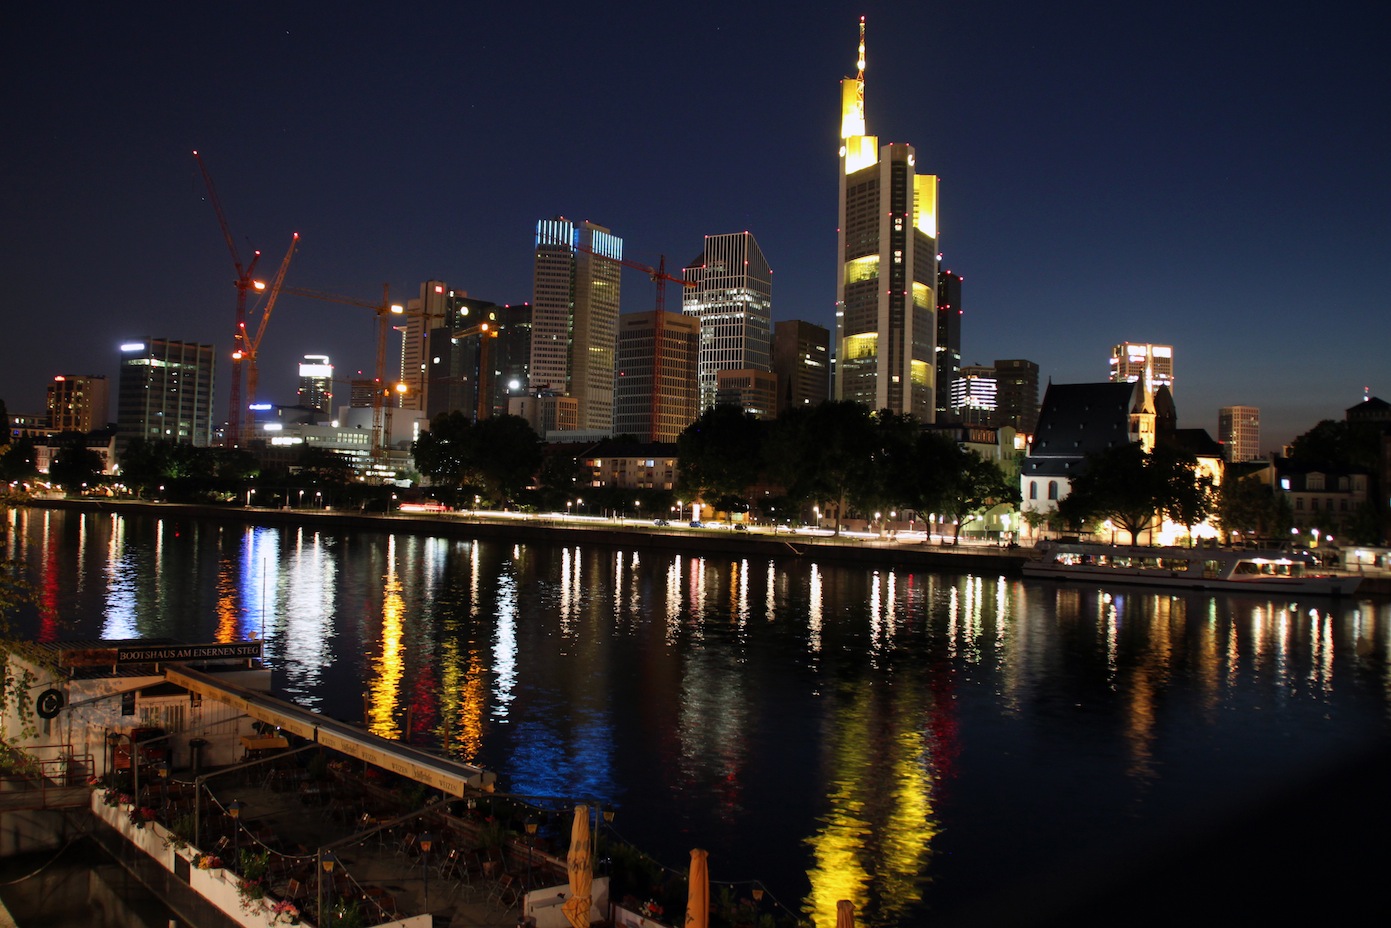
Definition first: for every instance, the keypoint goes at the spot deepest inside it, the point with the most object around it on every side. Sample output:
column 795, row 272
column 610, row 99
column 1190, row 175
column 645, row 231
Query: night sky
column 1211, row 176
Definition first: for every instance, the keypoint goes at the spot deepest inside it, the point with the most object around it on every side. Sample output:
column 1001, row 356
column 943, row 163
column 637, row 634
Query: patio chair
column 505, row 892
column 407, row 847
column 448, row 863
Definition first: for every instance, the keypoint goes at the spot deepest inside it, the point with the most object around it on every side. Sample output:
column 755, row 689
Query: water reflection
column 893, row 737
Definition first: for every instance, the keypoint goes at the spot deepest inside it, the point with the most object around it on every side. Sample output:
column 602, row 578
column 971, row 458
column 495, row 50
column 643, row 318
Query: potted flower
column 251, row 887
column 286, row 912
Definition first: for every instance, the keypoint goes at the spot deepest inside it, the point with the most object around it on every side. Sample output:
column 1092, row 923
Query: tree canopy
column 496, row 458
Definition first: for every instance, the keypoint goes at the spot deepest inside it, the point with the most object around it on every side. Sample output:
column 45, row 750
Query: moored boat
column 1263, row 571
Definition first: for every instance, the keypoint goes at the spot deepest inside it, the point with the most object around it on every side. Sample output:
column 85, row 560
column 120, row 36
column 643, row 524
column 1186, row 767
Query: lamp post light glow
column 427, row 840
column 326, row 862
column 234, row 810
column 530, row 835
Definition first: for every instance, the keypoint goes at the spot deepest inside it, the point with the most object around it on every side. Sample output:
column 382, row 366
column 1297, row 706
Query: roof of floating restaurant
column 423, row 767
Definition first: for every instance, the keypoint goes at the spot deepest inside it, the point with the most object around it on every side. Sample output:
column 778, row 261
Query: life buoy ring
column 49, row 704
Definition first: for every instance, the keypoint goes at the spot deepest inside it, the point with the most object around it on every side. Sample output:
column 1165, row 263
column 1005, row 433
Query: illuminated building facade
column 948, row 339
column 316, row 383
column 655, row 391
column 974, row 396
column 77, row 403
column 479, row 358
column 165, row 392
column 886, row 272
column 733, row 299
column 1151, row 366
column 574, row 331
column 1239, row 431
column 802, row 362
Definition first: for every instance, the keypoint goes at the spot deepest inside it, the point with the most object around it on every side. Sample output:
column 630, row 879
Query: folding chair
column 505, row 892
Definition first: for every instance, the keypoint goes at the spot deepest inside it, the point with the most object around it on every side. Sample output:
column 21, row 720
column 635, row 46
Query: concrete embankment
column 553, row 530
column 558, row 530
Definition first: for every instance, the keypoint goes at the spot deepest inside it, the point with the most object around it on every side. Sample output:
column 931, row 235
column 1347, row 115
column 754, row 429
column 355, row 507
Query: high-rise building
column 802, row 361
column 480, row 359
column 165, row 392
column 948, row 339
column 424, row 314
column 1152, row 366
column 886, row 268
column 316, row 383
column 77, row 403
column 656, row 408
column 1016, row 395
column 733, row 299
column 975, row 395
column 1239, row 431
column 575, row 317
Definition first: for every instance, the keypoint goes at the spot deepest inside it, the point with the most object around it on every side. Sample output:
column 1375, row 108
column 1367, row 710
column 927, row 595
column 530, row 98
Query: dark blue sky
column 1214, row 176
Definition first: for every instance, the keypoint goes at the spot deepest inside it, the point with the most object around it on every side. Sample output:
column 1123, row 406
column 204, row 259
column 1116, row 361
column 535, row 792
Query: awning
column 423, row 767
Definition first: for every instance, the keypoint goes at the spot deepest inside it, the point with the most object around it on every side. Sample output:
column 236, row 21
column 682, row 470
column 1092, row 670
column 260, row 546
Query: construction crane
column 384, row 310
column 659, row 276
column 251, row 353
column 244, row 282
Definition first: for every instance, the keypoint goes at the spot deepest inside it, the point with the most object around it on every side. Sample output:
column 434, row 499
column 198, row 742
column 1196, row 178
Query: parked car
column 696, row 523
column 660, row 522
column 740, row 527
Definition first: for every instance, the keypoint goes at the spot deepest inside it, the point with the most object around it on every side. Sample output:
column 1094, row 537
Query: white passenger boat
column 1267, row 571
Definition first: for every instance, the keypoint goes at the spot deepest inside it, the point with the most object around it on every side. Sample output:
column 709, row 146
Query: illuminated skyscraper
column 1152, row 366
column 77, row 403
column 165, row 392
column 316, row 383
column 886, row 272
column 733, row 299
column 574, row 333
column 1239, row 431
column 975, row 395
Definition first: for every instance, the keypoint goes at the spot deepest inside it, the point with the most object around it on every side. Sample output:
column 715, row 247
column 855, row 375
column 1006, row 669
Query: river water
column 937, row 748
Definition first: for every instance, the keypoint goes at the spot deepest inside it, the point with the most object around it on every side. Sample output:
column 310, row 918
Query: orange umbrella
column 698, row 900
column 845, row 914
column 580, row 863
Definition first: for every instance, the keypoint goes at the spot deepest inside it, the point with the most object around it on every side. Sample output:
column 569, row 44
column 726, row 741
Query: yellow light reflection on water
column 384, row 693
column 871, row 828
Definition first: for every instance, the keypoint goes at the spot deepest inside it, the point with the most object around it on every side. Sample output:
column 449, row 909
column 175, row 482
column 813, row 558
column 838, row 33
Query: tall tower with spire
column 886, row 269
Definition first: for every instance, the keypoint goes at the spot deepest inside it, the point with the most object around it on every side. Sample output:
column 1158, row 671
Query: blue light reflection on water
column 906, row 740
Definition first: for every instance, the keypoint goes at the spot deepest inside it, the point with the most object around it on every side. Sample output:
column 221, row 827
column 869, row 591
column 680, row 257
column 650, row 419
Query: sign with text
column 150, row 653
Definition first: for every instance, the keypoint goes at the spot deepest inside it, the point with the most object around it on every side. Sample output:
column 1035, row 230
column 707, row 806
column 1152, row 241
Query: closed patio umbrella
column 580, row 864
column 698, row 899
column 845, row 914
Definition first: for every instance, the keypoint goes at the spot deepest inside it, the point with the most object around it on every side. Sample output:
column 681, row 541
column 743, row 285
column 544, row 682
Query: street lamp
column 427, row 840
column 319, row 499
column 567, row 508
column 817, row 511
column 579, row 502
column 326, row 862
column 163, row 770
column 530, row 835
column 234, row 810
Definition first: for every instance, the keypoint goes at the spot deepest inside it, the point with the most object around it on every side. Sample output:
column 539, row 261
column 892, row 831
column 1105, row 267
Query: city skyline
column 1106, row 175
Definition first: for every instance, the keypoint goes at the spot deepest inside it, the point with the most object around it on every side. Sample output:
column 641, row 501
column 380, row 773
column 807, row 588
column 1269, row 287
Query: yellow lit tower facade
column 886, row 275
